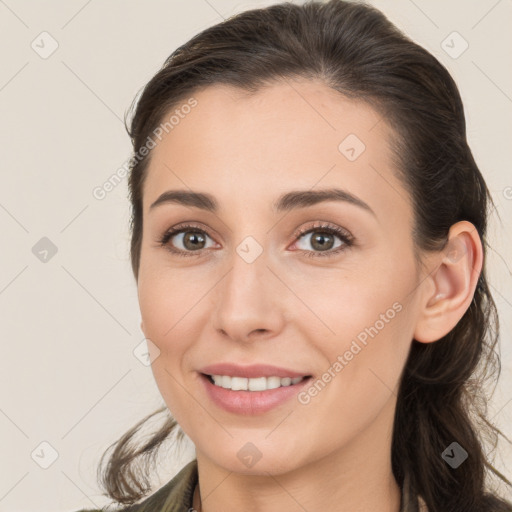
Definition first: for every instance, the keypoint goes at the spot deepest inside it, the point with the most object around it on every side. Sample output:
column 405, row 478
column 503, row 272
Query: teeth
column 256, row 384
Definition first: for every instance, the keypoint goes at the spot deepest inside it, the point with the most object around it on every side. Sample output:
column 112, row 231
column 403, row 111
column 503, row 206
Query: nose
column 248, row 301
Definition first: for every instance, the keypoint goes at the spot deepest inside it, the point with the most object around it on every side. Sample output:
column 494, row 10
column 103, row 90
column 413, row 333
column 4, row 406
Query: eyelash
column 343, row 235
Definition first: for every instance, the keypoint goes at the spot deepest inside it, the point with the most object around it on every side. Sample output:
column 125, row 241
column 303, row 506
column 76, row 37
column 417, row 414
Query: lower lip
column 251, row 402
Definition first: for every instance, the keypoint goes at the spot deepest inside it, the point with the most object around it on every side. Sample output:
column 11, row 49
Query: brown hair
column 354, row 49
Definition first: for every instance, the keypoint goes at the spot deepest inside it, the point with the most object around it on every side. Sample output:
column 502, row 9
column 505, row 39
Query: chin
column 251, row 460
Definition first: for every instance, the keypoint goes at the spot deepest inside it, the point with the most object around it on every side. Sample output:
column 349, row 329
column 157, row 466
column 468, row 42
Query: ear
column 448, row 290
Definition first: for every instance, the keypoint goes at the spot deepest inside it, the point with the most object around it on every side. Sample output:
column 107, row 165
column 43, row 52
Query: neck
column 356, row 477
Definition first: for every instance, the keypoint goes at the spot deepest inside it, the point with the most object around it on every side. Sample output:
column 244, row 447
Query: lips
column 250, row 402
column 250, row 372
column 245, row 401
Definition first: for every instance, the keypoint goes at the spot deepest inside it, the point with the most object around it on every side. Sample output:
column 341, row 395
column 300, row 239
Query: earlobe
column 449, row 288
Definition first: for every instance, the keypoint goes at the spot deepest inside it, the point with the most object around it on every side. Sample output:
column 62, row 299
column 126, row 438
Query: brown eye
column 193, row 240
column 185, row 240
column 322, row 240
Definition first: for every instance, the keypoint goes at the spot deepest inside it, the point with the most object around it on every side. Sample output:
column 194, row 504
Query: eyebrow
column 286, row 202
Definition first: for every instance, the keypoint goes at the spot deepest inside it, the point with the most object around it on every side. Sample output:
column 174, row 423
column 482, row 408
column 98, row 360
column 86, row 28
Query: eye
column 190, row 239
column 322, row 238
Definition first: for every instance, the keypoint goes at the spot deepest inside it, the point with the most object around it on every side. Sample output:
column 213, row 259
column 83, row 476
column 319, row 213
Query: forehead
column 249, row 148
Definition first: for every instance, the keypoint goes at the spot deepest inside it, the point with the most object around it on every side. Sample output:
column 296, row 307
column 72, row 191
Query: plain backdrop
column 70, row 379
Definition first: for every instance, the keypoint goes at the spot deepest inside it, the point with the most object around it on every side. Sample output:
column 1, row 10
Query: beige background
column 68, row 374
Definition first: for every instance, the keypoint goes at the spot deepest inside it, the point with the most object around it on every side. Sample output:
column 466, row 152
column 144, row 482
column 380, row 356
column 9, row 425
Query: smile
column 253, row 384
column 251, row 395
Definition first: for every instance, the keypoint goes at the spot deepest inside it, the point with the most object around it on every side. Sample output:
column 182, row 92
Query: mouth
column 251, row 389
column 249, row 396
column 235, row 383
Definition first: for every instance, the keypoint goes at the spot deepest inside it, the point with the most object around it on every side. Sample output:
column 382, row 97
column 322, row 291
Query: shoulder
column 175, row 496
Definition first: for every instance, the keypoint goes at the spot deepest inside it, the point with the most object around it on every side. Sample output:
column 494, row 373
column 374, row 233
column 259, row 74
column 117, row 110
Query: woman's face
column 259, row 280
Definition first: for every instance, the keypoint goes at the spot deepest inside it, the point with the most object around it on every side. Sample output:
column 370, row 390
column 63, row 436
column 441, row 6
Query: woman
column 308, row 240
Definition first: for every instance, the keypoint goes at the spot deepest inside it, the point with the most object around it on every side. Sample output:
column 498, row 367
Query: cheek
column 364, row 327
column 164, row 308
column 166, row 299
column 365, row 362
column 173, row 311
column 346, row 304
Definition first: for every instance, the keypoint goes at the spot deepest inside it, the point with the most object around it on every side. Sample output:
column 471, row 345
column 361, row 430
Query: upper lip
column 252, row 371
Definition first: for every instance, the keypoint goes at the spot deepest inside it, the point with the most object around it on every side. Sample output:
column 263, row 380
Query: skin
column 287, row 309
